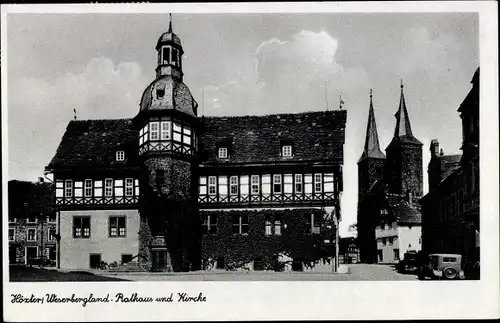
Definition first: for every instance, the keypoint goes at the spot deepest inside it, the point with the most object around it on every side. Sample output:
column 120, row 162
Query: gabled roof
column 30, row 199
column 472, row 98
column 93, row 143
column 403, row 212
column 372, row 146
column 314, row 136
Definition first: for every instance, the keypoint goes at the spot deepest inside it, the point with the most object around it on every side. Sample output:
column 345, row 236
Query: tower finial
column 371, row 93
column 170, row 23
column 402, row 83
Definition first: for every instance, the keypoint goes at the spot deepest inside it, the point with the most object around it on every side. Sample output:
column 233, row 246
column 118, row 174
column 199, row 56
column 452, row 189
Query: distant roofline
column 275, row 114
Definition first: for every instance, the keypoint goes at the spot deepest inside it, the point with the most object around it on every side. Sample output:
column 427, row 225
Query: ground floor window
column 240, row 224
column 31, row 235
column 95, row 261
column 11, row 234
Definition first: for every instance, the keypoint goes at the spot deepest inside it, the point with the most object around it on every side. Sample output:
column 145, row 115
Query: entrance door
column 380, row 256
column 31, row 253
column 12, row 255
column 159, row 260
column 95, row 260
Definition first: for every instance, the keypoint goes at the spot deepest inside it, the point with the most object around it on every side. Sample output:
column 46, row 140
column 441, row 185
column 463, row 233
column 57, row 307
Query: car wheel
column 450, row 273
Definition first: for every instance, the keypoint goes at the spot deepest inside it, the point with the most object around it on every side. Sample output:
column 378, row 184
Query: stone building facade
column 389, row 187
column 451, row 208
column 32, row 222
column 171, row 190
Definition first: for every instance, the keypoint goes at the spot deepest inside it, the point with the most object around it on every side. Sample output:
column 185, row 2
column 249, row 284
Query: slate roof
column 30, row 199
column 403, row 211
column 315, row 136
column 372, row 146
column 93, row 143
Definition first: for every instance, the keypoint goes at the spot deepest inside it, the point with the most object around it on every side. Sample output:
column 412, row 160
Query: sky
column 99, row 64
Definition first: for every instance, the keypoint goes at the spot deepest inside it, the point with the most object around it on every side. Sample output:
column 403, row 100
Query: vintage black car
column 442, row 266
column 411, row 262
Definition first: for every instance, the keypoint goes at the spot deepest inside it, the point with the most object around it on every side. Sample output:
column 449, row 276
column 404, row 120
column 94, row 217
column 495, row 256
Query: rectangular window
column 59, row 188
column 317, row 183
column 277, row 184
column 222, row 152
column 222, row 185
column 203, row 185
column 328, row 185
column 51, row 235
column 255, row 184
column 268, row 226
column 186, row 135
column 78, row 188
column 108, row 190
column 390, row 241
column 12, row 234
column 68, row 190
column 88, row 187
column 210, row 224
column 120, row 155
column 298, row 183
column 234, row 185
column 396, row 254
column 81, row 226
column 154, row 130
column 136, row 187
column 31, row 235
column 177, row 131
column 266, row 184
column 98, row 188
column 384, row 241
column 277, row 225
column 308, row 183
column 160, row 177
column 32, row 219
column 286, row 151
column 166, row 55
column 117, row 226
column 129, row 186
column 212, row 184
column 165, row 130
column 144, row 135
column 118, row 187
column 240, row 224
column 244, row 185
column 288, row 181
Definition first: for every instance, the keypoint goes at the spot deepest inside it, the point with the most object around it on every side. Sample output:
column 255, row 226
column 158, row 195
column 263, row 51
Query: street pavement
column 359, row 272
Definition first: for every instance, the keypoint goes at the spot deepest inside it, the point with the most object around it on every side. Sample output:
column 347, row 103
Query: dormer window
column 223, row 152
column 120, row 155
column 286, row 150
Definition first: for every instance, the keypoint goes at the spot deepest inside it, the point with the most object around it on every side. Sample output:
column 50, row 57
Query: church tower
column 403, row 170
column 167, row 122
column 371, row 162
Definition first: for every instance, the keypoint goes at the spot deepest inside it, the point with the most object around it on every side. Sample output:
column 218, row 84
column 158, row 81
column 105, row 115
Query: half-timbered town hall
column 172, row 190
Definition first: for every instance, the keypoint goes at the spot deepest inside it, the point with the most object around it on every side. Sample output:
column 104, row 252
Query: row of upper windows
column 97, row 188
column 240, row 224
column 32, row 234
column 286, row 151
column 117, row 226
column 166, row 130
column 255, row 184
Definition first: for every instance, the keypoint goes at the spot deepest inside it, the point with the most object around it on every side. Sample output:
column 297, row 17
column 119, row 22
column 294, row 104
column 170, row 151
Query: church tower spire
column 403, row 126
column 372, row 146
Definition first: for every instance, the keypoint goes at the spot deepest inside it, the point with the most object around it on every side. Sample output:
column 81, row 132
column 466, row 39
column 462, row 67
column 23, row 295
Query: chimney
column 40, row 179
column 441, row 153
column 434, row 147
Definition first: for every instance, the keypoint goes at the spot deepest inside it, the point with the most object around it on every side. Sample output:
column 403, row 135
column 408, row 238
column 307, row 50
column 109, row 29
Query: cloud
column 288, row 76
column 40, row 109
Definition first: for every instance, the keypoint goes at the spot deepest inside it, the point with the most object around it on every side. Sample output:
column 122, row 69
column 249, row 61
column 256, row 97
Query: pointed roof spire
column 170, row 23
column 403, row 126
column 372, row 146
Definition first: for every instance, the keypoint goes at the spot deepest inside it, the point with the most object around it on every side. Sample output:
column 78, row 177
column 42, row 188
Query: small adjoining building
column 32, row 222
column 175, row 191
column 389, row 188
